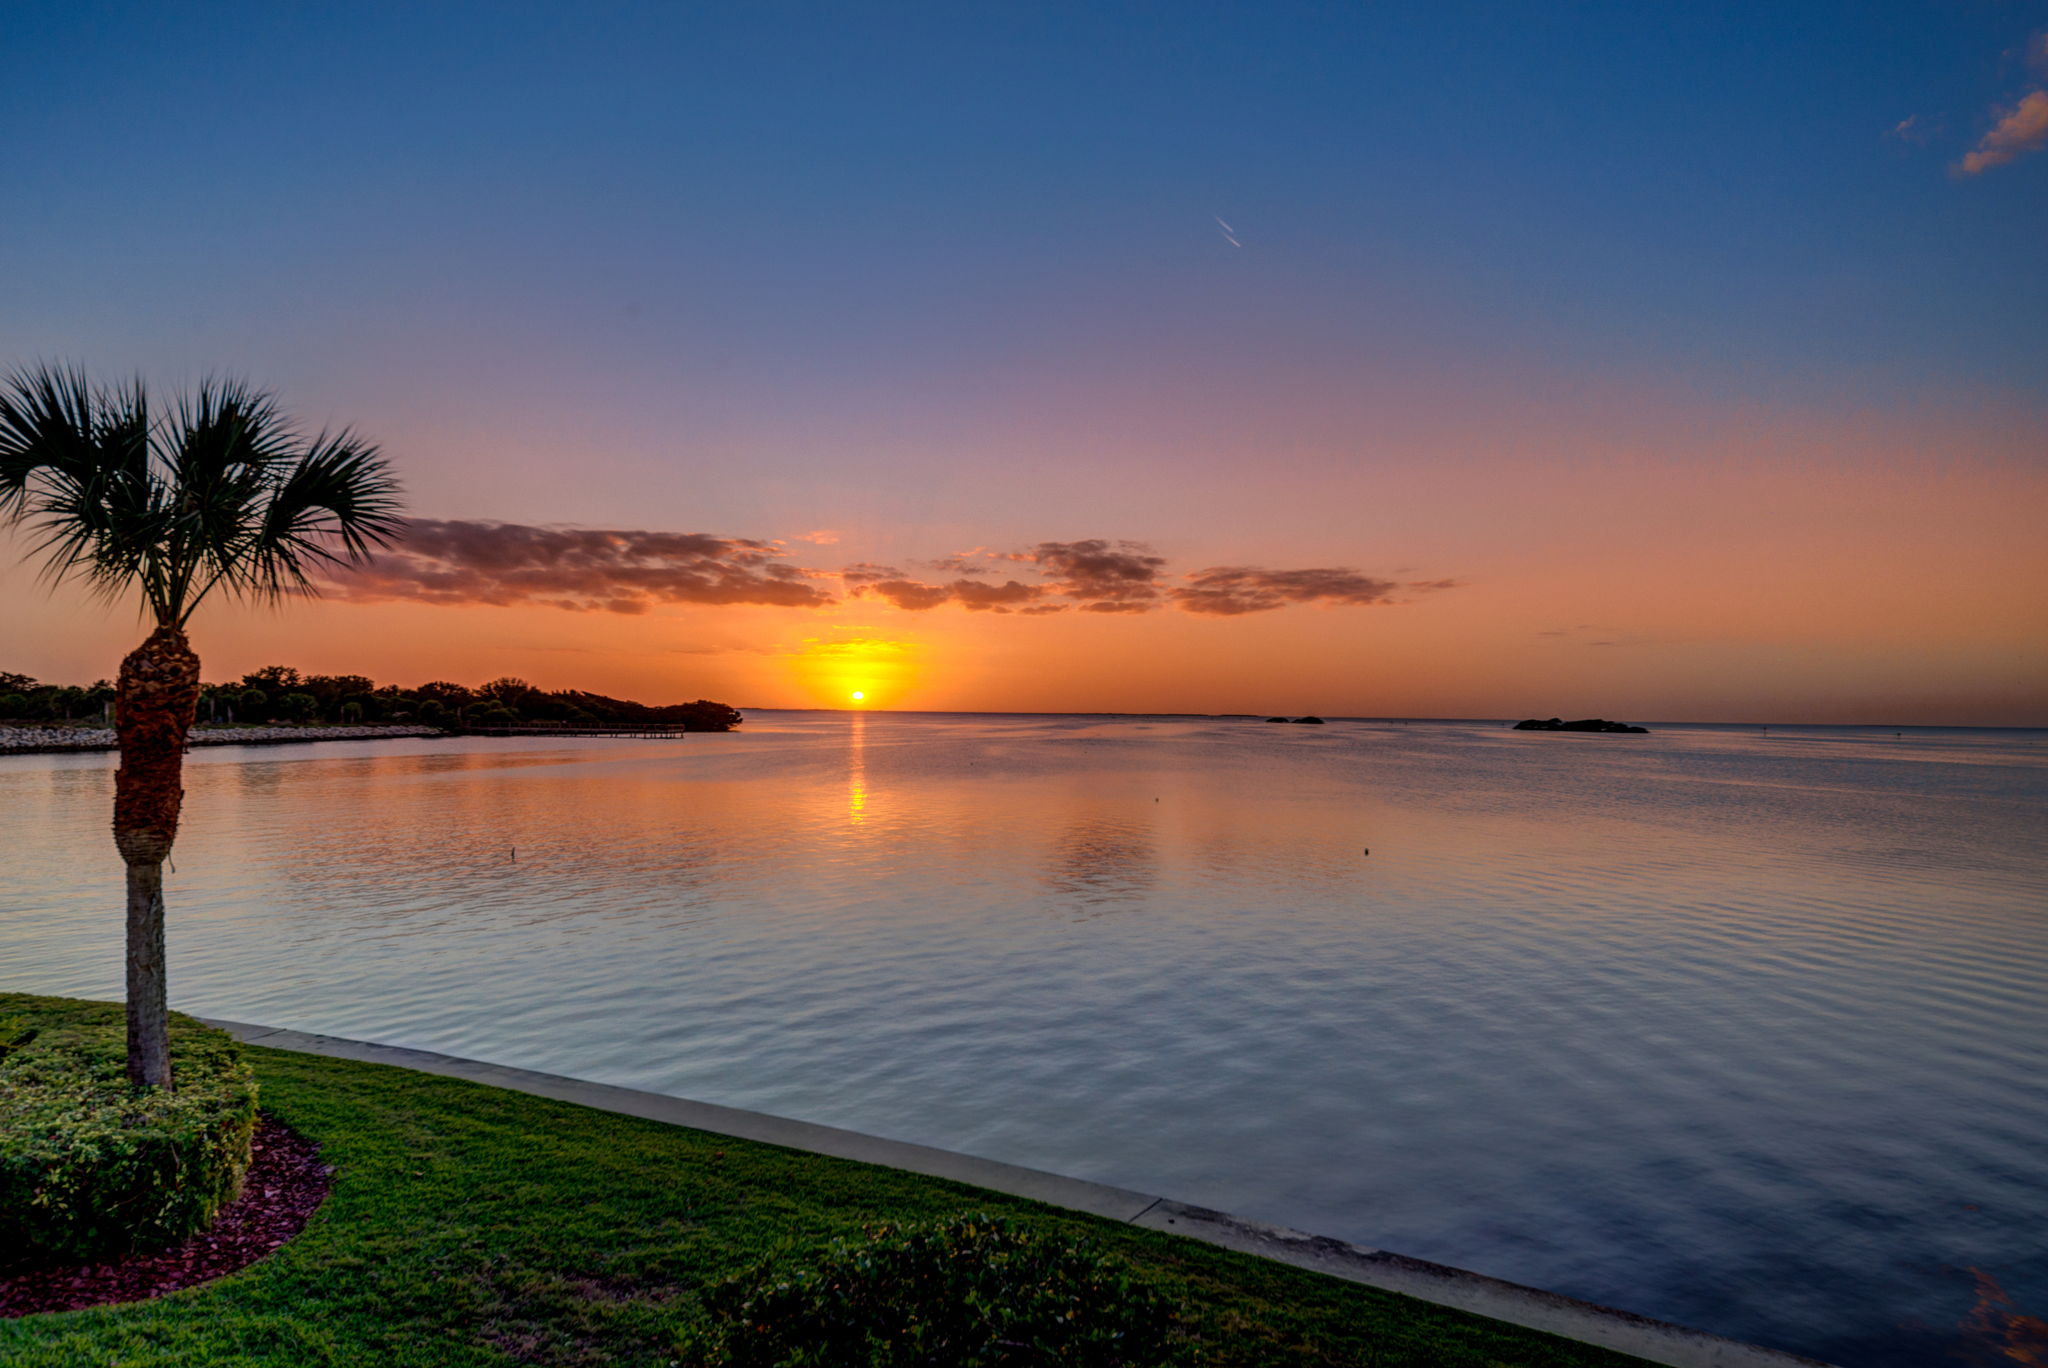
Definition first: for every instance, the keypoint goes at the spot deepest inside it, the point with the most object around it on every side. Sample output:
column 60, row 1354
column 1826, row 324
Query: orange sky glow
column 1101, row 364
column 1831, row 574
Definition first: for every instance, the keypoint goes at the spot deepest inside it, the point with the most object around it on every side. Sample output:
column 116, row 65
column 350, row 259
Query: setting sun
column 854, row 670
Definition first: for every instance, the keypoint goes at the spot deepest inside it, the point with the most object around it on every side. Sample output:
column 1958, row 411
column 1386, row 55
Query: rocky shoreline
column 32, row 740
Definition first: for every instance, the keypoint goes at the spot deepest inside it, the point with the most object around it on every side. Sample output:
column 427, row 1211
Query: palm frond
column 75, row 468
column 223, row 494
column 49, row 425
column 338, row 504
column 220, row 455
column 333, row 505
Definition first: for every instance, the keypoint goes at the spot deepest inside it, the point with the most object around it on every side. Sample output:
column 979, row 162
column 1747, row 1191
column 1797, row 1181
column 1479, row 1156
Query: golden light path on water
column 857, row 768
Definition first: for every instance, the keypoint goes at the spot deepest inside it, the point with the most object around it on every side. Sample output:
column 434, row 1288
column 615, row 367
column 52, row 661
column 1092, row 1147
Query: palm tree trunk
column 159, row 692
column 149, row 1044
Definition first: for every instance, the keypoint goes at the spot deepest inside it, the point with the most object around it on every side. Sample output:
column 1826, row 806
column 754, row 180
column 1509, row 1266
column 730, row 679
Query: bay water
column 1742, row 1029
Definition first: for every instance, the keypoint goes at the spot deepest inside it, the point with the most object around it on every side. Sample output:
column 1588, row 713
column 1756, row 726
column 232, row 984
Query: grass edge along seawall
column 480, row 1201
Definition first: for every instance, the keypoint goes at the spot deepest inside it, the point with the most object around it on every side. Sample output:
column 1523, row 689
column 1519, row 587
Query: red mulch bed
column 285, row 1185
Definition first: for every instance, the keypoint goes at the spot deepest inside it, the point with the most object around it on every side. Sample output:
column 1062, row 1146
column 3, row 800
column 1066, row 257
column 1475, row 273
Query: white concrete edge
column 1652, row 1340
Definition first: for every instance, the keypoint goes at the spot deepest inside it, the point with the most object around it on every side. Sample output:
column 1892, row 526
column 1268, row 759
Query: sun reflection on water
column 857, row 768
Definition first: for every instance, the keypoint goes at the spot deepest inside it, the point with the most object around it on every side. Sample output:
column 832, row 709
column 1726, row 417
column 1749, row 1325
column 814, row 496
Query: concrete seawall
column 1652, row 1340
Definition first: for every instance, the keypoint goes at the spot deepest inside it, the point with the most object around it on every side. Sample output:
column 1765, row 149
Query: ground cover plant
column 974, row 1292
column 473, row 1226
column 93, row 1166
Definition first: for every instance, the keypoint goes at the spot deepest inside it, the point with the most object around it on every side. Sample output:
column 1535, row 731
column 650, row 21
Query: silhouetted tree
column 297, row 707
column 217, row 493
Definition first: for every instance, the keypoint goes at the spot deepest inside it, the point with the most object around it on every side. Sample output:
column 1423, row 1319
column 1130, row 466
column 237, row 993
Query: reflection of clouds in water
column 492, row 850
column 1099, row 863
column 1994, row 1328
column 256, row 781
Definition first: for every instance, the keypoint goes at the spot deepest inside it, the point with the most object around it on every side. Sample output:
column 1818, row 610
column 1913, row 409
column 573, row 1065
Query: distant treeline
column 278, row 693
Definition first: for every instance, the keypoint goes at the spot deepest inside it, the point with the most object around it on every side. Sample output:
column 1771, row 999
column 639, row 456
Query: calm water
column 1743, row 1031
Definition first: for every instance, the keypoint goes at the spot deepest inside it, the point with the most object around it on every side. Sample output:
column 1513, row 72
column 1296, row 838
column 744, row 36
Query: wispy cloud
column 911, row 595
column 1091, row 576
column 1125, row 577
column 867, row 572
column 2019, row 130
column 1233, row 590
column 1098, row 571
column 977, row 597
column 620, row 571
column 1587, row 634
column 973, row 562
column 886, row 582
column 633, row 571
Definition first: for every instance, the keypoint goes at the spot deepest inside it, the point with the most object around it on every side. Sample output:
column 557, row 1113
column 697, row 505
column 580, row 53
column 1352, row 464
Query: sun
column 853, row 672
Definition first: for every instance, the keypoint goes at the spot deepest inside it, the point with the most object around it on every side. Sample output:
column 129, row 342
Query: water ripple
column 1746, row 1031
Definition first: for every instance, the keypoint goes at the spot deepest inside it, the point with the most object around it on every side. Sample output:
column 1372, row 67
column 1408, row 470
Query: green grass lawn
column 470, row 1225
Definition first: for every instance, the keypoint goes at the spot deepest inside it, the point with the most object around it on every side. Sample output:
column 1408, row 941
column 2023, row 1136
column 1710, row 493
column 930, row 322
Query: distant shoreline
column 57, row 740
column 1503, row 722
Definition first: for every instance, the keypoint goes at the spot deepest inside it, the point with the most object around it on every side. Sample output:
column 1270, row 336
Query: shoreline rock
column 44, row 740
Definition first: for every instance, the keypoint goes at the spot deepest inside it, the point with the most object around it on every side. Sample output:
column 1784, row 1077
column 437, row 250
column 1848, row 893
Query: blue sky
column 849, row 186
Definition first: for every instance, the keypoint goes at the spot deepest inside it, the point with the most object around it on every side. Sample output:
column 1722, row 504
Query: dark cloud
column 972, row 595
column 1100, row 576
column 1120, row 572
column 622, row 571
column 907, row 593
column 579, row 568
column 976, row 597
column 962, row 564
column 1232, row 590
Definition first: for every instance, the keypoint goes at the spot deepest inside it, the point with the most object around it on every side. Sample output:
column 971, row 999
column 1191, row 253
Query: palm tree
column 218, row 492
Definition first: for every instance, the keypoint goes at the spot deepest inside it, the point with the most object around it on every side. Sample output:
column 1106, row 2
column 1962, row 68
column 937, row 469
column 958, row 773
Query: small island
column 1584, row 724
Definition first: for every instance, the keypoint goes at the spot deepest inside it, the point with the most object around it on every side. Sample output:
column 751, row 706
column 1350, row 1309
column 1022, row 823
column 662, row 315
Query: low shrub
column 971, row 1293
column 92, row 1166
column 15, row 1034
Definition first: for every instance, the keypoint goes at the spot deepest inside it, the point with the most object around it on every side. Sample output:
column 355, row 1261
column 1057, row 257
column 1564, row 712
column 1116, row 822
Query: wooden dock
column 632, row 731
